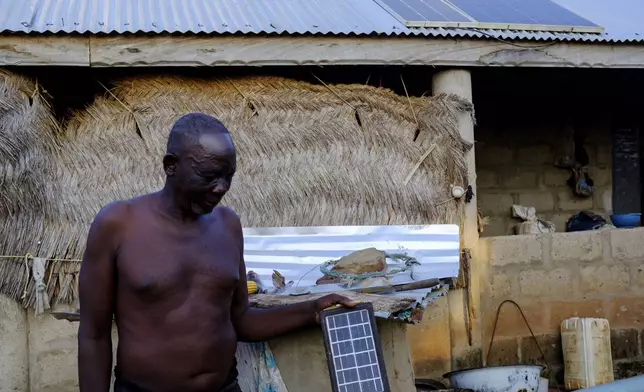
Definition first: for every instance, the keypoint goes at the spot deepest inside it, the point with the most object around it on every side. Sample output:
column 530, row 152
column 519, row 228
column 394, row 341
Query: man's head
column 200, row 162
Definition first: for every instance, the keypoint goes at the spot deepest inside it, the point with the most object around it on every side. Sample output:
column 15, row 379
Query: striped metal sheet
column 621, row 19
column 298, row 252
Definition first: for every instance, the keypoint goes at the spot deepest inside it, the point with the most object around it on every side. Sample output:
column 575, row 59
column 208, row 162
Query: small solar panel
column 540, row 12
column 542, row 15
column 353, row 350
column 423, row 10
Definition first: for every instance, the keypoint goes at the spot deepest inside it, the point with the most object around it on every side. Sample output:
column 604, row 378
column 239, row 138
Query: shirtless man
column 169, row 267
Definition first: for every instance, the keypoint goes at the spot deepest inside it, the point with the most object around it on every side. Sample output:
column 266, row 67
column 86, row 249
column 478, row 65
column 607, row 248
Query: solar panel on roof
column 423, row 10
column 538, row 12
column 353, row 350
column 542, row 15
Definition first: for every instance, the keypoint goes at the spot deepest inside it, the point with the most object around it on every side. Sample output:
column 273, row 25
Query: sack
column 585, row 221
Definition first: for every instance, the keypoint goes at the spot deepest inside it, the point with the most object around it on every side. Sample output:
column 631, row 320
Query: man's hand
column 329, row 300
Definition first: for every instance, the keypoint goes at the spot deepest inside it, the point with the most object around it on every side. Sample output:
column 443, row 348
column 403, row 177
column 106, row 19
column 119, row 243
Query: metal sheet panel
column 197, row 16
column 621, row 19
column 298, row 252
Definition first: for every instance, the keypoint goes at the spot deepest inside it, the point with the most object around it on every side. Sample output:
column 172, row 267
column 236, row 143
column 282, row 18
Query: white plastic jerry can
column 586, row 352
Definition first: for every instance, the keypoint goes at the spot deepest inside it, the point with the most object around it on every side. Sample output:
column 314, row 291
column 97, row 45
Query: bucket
column 515, row 378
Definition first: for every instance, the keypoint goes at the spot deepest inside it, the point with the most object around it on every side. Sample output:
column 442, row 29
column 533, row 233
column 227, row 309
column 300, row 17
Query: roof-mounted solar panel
column 417, row 13
column 535, row 15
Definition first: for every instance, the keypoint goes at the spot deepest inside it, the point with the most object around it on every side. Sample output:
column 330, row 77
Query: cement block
column 562, row 310
column 486, row 179
column 430, row 346
column 539, row 283
column 626, row 312
column 495, row 204
column 550, row 344
column 493, row 155
column 624, row 343
column 605, row 279
column 637, row 277
column 629, row 368
column 469, row 359
column 504, row 352
column 535, row 155
column 583, row 246
column 515, row 249
column 511, row 324
column 14, row 362
column 53, row 354
column 498, row 226
column 541, row 201
column 554, row 177
column 603, row 200
column 568, row 201
column 601, row 176
column 627, row 243
column 519, row 178
column 500, row 285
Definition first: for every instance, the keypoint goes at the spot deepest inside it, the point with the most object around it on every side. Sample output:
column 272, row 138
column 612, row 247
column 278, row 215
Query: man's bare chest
column 157, row 267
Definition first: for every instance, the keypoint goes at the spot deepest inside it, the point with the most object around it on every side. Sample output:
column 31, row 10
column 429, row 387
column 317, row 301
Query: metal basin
column 516, row 378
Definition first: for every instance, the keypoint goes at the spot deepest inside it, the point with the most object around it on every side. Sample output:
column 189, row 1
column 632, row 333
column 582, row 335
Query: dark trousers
column 121, row 385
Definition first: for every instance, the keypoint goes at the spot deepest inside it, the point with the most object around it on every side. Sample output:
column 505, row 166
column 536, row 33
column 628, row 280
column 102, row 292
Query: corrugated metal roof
column 297, row 252
column 620, row 18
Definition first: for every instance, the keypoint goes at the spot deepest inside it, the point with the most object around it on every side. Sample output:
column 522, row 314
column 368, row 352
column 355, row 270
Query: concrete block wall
column 557, row 276
column 38, row 353
column 516, row 167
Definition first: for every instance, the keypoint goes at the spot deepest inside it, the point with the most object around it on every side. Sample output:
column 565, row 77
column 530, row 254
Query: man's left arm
column 253, row 324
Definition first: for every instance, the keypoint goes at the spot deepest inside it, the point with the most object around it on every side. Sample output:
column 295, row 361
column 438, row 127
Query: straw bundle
column 308, row 155
column 28, row 155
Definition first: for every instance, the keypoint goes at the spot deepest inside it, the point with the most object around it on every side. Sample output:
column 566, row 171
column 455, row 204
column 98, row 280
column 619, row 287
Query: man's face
column 206, row 171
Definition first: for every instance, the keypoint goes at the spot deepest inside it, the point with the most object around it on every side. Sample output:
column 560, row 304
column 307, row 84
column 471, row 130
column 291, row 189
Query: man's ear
column 170, row 164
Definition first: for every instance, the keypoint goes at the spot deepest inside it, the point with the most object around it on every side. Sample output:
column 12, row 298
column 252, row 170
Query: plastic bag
column 531, row 224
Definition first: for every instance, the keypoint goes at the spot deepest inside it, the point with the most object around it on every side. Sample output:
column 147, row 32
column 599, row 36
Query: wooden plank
column 147, row 51
column 41, row 50
column 387, row 304
column 161, row 50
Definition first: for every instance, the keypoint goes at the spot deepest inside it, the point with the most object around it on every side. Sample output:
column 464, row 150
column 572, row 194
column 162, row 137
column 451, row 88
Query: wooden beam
column 41, row 50
column 165, row 50
column 262, row 51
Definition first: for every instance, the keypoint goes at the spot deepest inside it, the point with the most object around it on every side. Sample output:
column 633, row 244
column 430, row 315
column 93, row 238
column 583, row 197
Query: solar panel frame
column 329, row 326
column 407, row 14
column 539, row 15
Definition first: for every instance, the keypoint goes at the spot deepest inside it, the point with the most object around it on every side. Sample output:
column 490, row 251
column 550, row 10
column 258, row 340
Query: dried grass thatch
column 307, row 155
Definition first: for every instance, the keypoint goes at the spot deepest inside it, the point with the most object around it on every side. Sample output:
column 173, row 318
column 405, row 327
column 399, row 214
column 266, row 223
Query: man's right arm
column 96, row 289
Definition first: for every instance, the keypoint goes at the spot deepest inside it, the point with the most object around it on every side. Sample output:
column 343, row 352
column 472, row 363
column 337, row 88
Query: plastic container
column 587, row 352
column 626, row 221
column 543, row 385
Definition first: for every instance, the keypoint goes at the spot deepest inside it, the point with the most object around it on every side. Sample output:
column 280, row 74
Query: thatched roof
column 307, row 155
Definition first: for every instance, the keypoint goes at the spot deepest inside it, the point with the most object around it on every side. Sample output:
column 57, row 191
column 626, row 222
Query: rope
column 327, row 268
column 28, row 257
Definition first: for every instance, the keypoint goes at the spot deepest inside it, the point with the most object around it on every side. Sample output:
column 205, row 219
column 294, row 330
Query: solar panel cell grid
column 543, row 12
column 510, row 12
column 354, row 352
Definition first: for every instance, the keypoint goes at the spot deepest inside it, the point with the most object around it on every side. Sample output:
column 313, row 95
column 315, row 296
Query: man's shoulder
column 113, row 214
column 229, row 216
